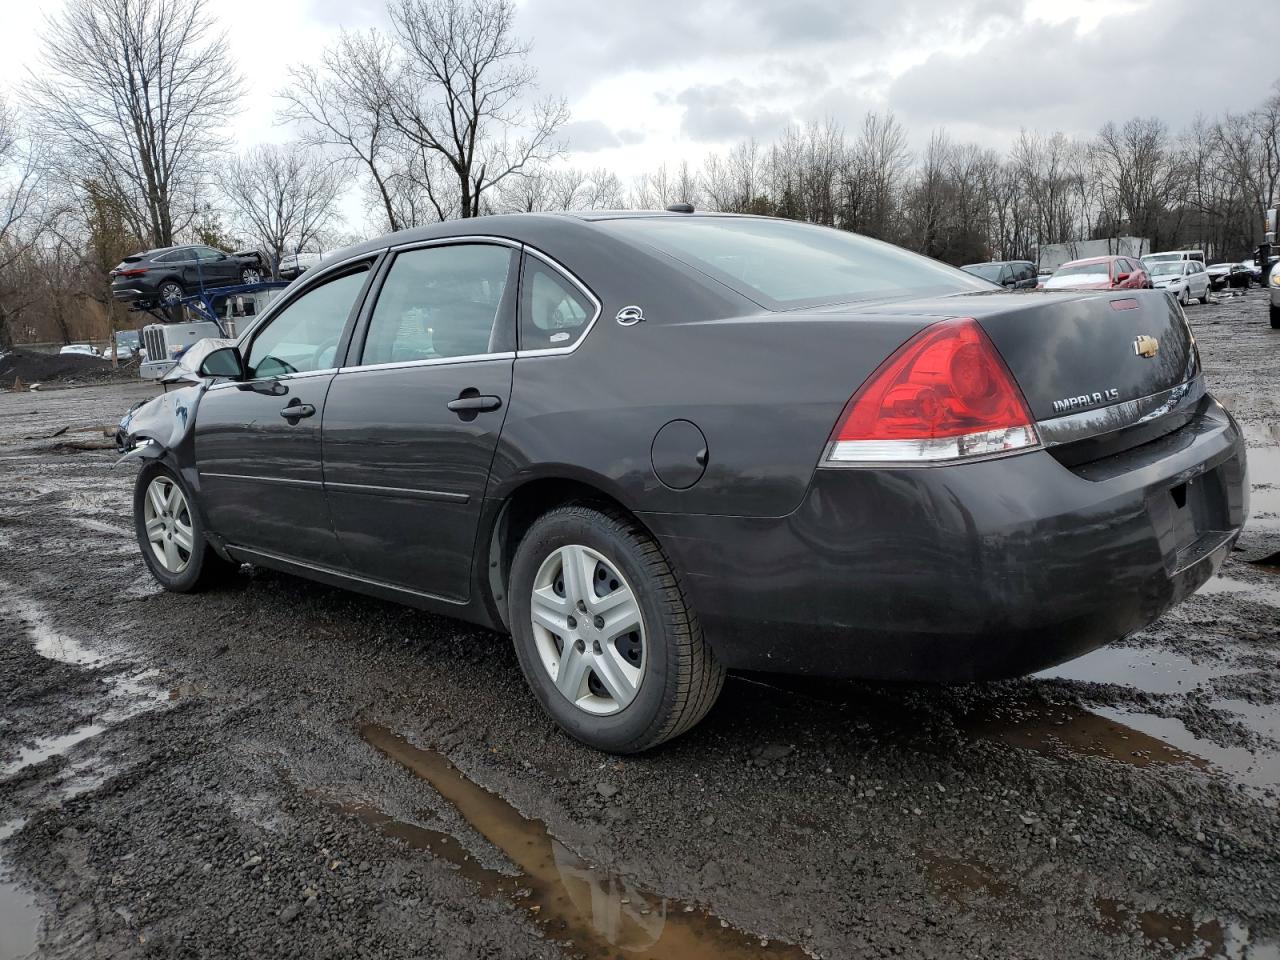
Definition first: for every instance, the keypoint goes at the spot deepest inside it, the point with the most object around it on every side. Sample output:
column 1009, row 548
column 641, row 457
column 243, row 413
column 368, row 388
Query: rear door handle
column 295, row 410
column 475, row 404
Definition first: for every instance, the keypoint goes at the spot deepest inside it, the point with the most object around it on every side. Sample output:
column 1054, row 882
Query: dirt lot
column 281, row 769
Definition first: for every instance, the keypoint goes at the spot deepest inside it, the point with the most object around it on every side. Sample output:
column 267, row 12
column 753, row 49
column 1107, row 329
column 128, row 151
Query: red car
column 1101, row 273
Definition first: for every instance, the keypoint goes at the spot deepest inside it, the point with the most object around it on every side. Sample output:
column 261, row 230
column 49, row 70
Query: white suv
column 1187, row 280
column 1274, row 284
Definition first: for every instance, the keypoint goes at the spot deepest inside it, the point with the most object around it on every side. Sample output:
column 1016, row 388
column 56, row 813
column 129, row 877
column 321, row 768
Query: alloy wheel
column 250, row 276
column 170, row 292
column 588, row 630
column 167, row 518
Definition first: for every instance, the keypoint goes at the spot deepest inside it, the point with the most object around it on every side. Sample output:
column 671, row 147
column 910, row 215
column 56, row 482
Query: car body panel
column 944, row 572
column 260, row 474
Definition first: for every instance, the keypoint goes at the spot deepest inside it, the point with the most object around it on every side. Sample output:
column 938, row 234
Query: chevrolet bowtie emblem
column 1145, row 346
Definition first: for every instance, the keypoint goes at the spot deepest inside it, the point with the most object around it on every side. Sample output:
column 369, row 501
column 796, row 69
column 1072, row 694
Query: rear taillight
column 133, row 272
column 945, row 394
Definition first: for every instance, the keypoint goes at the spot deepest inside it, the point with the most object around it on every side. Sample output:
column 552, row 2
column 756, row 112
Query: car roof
column 525, row 227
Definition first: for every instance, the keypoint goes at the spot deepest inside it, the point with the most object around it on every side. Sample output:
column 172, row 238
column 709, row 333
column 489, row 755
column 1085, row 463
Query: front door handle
column 295, row 410
column 474, row 403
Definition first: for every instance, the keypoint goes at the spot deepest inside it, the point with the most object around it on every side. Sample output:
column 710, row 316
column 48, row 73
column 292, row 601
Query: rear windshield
column 782, row 265
column 988, row 271
column 1080, row 269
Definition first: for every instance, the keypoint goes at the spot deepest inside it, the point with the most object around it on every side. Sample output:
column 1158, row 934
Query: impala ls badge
column 1145, row 346
column 1068, row 404
column 629, row 316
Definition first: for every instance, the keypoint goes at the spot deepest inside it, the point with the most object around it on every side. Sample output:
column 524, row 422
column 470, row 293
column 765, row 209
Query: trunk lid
column 1072, row 351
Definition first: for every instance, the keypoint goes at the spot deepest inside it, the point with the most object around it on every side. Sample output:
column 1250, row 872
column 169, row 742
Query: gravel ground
column 282, row 769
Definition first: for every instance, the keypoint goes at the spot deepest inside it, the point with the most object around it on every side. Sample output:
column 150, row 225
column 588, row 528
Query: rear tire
column 171, row 534
column 676, row 677
column 170, row 292
column 1204, row 299
column 1275, row 317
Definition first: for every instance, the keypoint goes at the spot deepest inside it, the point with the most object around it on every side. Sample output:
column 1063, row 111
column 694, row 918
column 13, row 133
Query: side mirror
column 223, row 362
column 1009, row 282
column 1121, row 277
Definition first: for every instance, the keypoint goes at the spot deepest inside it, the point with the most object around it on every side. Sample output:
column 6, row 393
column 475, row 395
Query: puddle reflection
column 571, row 899
column 19, row 918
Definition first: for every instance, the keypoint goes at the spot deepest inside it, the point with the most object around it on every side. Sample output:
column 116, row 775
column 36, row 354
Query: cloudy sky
column 658, row 81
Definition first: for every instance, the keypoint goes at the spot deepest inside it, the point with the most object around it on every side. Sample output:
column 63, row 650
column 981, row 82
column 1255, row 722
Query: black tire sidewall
column 190, row 577
column 634, row 726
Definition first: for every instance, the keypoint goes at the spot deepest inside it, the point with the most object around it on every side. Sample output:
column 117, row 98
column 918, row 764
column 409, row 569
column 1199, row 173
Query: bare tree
column 1137, row 170
column 460, row 92
column 343, row 105
column 285, row 195
column 133, row 93
column 26, row 212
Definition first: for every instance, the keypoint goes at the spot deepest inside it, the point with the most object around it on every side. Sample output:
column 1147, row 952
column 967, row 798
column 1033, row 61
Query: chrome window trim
column 1119, row 416
column 467, row 238
column 430, row 362
column 564, row 271
column 275, row 306
column 283, row 378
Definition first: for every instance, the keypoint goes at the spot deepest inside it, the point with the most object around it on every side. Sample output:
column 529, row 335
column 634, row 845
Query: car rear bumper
column 130, row 293
column 976, row 571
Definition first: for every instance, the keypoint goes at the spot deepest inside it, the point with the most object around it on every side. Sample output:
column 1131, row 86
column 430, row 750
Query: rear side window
column 304, row 335
column 175, row 256
column 783, row 265
column 554, row 313
column 440, row 302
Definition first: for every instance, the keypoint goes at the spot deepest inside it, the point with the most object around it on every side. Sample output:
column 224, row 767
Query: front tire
column 250, row 275
column 1275, row 317
column 171, row 534
column 605, row 636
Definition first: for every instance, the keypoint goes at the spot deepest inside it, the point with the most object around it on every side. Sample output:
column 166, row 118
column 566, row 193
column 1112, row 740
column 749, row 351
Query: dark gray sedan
column 653, row 447
column 167, row 274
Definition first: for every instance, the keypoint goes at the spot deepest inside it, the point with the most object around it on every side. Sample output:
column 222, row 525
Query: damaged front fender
column 159, row 425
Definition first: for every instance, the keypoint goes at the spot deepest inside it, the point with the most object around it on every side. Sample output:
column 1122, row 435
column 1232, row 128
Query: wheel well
column 522, row 507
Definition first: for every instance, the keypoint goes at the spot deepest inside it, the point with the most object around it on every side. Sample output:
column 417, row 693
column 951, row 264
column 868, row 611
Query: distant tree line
column 117, row 142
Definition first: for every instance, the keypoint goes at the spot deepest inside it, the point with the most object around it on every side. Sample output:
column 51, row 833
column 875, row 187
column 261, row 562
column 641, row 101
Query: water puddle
column 48, row 641
column 598, row 912
column 1260, row 593
column 1052, row 730
column 19, row 918
column 1254, row 767
column 1182, row 935
column 1150, row 669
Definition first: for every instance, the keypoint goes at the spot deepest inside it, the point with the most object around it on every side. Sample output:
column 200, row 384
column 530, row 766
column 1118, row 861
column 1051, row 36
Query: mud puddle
column 1255, row 767
column 1149, row 669
column 19, row 918
column 598, row 912
column 49, row 642
column 1055, row 729
column 1261, row 593
column 1182, row 935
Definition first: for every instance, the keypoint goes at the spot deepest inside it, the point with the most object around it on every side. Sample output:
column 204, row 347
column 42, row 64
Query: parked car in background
column 1151, row 259
column 83, row 349
column 295, row 264
column 1187, row 280
column 1014, row 274
column 1234, row 275
column 786, row 448
column 167, row 274
column 1100, row 273
column 1275, row 297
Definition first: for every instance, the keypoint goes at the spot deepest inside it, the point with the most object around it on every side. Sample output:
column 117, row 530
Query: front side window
column 208, row 253
column 784, row 265
column 440, row 302
column 304, row 335
column 553, row 312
